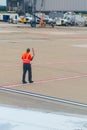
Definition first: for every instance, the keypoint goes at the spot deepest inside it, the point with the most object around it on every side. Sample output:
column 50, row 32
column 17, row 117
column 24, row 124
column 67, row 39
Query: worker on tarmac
column 27, row 58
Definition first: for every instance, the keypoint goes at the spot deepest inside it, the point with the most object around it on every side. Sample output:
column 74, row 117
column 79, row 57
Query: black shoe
column 31, row 81
column 24, row 82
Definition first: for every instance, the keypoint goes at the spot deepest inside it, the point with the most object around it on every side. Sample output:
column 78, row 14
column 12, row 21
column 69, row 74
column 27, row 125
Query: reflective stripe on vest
column 26, row 60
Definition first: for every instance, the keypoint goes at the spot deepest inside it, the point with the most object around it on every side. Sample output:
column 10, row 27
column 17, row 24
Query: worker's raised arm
column 33, row 52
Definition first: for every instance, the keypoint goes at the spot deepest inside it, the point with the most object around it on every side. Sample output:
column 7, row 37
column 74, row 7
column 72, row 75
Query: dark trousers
column 27, row 67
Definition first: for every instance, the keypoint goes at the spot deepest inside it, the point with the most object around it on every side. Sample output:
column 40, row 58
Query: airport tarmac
column 59, row 67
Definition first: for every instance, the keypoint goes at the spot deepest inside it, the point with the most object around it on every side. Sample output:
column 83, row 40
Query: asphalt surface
column 59, row 67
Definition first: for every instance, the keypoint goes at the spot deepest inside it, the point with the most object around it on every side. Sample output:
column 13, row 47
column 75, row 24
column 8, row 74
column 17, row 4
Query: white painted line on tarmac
column 80, row 45
column 44, row 97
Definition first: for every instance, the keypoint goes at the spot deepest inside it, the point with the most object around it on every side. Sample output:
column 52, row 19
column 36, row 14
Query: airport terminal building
column 62, row 5
column 46, row 5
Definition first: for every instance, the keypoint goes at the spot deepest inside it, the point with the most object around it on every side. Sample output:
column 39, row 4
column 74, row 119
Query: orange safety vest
column 26, row 57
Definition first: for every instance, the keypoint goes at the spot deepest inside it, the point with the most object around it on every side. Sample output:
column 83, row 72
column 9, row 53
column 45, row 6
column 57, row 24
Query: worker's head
column 28, row 49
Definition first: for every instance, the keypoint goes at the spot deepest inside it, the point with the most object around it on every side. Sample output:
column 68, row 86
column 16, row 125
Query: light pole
column 33, row 11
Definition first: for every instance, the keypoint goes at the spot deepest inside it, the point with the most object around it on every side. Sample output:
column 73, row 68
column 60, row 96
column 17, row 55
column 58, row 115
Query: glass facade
column 21, row 6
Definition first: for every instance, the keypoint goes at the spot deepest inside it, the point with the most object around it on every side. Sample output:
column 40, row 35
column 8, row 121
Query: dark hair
column 28, row 49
